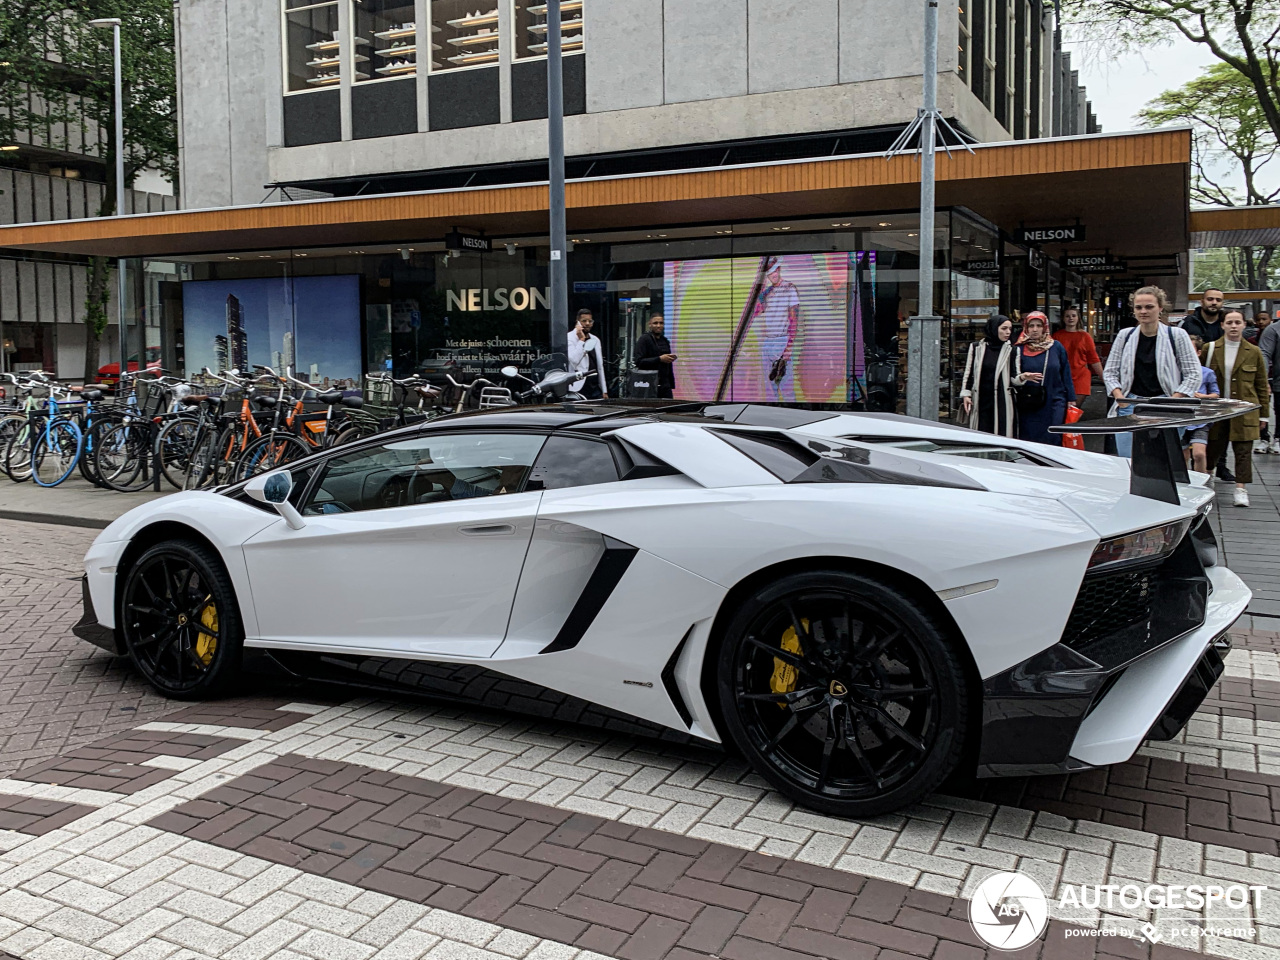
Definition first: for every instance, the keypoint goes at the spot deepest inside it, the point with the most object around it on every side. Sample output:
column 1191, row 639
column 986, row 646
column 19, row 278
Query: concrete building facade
column 640, row 76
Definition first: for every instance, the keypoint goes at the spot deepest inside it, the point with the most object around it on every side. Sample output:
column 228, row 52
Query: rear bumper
column 1059, row 711
column 88, row 628
column 1149, row 697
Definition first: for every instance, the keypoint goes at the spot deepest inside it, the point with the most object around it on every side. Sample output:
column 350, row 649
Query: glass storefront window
column 530, row 25
column 469, row 30
column 313, row 55
column 810, row 311
column 391, row 26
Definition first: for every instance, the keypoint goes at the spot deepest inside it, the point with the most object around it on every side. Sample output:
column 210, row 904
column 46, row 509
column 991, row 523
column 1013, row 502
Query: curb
column 29, row 517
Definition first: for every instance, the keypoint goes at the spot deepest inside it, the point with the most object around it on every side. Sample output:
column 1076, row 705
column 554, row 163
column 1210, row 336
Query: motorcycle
column 552, row 388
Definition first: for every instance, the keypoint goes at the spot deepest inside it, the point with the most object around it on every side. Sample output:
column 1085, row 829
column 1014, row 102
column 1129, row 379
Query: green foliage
column 57, row 90
column 57, row 72
column 1230, row 135
column 1242, row 34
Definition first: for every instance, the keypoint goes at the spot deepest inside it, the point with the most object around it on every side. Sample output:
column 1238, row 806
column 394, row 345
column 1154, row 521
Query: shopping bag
column 1073, row 440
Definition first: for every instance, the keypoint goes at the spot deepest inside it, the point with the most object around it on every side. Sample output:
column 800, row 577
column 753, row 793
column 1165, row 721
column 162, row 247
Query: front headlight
column 1152, row 544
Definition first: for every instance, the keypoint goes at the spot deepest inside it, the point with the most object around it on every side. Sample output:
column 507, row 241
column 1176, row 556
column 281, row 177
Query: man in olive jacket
column 1246, row 379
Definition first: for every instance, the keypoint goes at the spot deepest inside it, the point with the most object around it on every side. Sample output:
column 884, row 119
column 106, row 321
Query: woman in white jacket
column 1149, row 360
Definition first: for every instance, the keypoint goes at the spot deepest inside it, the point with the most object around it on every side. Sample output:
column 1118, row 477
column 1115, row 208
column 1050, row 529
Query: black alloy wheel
column 843, row 693
column 180, row 621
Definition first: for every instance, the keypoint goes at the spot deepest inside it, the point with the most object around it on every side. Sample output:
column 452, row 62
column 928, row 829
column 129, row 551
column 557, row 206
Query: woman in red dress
column 1081, row 352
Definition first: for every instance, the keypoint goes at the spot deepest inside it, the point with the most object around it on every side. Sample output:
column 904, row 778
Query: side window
column 432, row 468
column 572, row 462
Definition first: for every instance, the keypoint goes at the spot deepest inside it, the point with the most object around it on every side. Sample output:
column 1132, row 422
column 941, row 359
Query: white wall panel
column 880, row 39
column 27, row 298
column 8, row 291
column 792, row 44
column 705, row 43
column 624, row 54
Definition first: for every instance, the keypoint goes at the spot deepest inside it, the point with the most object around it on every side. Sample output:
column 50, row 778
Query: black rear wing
column 1156, row 423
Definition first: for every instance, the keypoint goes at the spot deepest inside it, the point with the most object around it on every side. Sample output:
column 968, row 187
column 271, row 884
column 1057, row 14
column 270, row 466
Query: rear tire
column 180, row 622
column 842, row 692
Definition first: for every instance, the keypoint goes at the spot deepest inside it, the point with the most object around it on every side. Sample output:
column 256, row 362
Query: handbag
column 778, row 370
column 1073, row 440
column 1030, row 397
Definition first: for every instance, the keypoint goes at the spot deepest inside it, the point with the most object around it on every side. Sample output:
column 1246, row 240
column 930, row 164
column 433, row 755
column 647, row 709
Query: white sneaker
column 1274, row 446
column 1260, row 446
column 1241, row 498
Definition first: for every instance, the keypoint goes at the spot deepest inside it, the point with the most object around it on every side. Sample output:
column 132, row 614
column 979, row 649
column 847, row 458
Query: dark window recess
column 635, row 464
column 385, row 109
column 312, row 118
column 572, row 462
column 463, row 98
column 529, row 88
column 783, row 457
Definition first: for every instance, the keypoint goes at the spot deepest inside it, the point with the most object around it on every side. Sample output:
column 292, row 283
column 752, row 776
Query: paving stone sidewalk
column 289, row 824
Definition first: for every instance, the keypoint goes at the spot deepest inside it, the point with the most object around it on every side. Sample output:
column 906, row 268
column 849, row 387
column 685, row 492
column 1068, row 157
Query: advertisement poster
column 769, row 328
column 311, row 324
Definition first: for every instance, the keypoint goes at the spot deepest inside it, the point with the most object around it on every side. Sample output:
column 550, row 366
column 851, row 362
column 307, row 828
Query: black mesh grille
column 1109, row 603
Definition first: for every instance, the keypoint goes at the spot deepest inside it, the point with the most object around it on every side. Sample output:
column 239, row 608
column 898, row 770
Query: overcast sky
column 1121, row 85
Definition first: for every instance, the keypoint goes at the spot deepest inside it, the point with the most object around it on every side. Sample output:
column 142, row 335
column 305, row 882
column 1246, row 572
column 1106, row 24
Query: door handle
column 488, row 530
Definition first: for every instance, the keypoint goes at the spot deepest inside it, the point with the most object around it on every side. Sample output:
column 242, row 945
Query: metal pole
column 120, row 283
column 555, row 157
column 924, row 330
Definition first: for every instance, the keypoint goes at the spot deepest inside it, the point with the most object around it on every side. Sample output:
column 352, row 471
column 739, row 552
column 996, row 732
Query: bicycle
column 130, row 452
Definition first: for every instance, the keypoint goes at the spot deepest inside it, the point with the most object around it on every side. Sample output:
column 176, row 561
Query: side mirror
column 509, row 371
column 274, row 488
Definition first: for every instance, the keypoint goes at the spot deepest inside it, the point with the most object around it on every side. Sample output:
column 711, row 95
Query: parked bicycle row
column 218, row 428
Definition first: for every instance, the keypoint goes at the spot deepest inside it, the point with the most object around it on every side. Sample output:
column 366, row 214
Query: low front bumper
column 88, row 628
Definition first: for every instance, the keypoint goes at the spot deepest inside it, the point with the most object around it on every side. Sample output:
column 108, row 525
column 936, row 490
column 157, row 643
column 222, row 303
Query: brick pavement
column 617, row 889
column 102, row 883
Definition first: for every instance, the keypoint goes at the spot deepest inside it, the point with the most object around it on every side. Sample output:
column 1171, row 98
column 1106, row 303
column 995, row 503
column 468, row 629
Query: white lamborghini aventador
column 858, row 603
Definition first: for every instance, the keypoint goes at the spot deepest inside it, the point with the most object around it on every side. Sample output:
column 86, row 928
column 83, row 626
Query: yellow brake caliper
column 784, row 675
column 205, row 644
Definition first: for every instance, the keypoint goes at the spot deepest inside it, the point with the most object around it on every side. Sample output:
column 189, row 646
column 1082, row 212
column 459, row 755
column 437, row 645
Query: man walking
column 653, row 352
column 1205, row 321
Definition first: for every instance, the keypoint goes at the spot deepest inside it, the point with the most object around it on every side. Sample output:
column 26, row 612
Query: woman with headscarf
column 990, row 372
column 1046, row 370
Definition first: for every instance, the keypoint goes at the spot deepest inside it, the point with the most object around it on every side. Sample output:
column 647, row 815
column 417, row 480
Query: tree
column 1232, row 144
column 1242, row 34
column 56, row 70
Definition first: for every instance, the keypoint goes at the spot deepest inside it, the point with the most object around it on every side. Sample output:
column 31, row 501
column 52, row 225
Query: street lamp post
column 102, row 24
column 924, row 340
column 559, row 272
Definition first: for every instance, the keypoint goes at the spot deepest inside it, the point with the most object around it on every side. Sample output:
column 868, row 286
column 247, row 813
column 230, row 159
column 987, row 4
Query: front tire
column 180, row 621
column 843, row 693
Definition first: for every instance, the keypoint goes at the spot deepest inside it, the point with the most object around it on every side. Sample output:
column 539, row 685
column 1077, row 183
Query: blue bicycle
column 57, row 446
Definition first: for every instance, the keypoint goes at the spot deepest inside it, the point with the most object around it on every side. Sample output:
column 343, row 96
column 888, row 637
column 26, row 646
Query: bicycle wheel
column 267, row 453
column 346, row 435
column 9, row 425
column 98, row 428
column 17, row 455
column 55, row 452
column 176, row 442
column 202, row 465
column 124, row 457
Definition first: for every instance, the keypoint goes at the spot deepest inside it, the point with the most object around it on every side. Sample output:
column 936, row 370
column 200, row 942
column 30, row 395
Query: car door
column 411, row 547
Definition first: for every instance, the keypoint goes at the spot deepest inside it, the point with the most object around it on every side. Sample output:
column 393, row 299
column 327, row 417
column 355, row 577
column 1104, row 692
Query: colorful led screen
column 770, row 328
